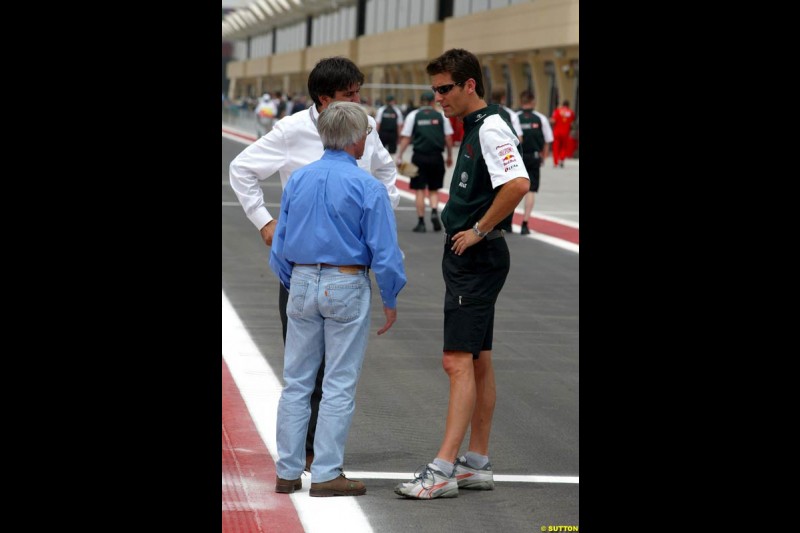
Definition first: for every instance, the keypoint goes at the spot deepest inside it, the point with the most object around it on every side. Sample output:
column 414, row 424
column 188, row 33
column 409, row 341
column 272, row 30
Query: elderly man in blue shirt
column 336, row 224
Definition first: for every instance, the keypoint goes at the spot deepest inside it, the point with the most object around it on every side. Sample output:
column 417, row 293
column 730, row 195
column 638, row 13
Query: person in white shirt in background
column 499, row 98
column 266, row 114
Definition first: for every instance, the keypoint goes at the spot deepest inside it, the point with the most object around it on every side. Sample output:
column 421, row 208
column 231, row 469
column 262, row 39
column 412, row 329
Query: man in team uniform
column 390, row 120
column 536, row 134
column 430, row 132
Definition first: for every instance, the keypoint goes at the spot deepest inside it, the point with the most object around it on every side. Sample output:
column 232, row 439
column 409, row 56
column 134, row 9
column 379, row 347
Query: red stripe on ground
column 547, row 227
column 249, row 501
column 239, row 134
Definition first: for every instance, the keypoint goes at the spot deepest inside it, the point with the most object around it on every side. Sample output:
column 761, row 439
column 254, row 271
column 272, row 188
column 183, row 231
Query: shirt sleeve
column 380, row 231
column 448, row 128
column 547, row 130
column 277, row 262
column 382, row 166
column 408, row 124
column 515, row 122
column 255, row 163
column 499, row 148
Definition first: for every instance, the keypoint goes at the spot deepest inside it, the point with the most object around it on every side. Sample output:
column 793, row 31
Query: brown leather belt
column 345, row 269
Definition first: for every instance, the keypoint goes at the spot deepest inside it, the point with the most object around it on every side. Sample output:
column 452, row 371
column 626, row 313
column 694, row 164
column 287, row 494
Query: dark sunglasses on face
column 444, row 89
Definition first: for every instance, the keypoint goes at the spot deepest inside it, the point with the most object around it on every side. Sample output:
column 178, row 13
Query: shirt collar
column 476, row 117
column 339, row 155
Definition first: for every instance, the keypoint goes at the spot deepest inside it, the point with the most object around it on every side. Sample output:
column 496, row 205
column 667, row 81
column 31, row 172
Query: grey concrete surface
column 403, row 391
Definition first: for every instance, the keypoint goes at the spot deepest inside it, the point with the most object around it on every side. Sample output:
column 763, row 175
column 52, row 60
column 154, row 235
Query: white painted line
column 561, row 243
column 562, row 221
column 357, row 474
column 261, row 390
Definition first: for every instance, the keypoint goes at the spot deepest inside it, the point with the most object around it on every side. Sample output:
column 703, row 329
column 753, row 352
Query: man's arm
column 256, row 163
column 448, row 140
column 404, row 142
column 508, row 198
column 279, row 265
column 379, row 229
column 548, row 137
column 383, row 168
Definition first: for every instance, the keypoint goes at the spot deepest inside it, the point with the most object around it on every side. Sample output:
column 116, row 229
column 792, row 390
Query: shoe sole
column 477, row 485
column 451, row 493
column 324, row 493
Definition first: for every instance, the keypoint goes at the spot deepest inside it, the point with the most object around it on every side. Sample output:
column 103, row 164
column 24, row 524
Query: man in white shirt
column 294, row 142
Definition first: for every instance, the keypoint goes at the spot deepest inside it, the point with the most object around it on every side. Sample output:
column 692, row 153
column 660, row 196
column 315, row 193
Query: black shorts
column 532, row 165
column 431, row 172
column 472, row 284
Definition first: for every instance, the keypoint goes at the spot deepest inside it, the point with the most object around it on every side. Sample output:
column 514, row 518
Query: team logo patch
column 509, row 162
column 464, row 178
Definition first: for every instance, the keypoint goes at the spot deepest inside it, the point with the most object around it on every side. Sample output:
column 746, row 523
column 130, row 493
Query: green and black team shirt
column 488, row 158
column 532, row 131
column 427, row 128
column 389, row 118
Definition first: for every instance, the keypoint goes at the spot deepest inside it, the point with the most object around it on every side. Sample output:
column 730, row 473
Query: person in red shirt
column 561, row 120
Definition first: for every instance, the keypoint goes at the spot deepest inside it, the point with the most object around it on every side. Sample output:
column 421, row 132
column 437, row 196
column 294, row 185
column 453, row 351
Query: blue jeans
column 329, row 316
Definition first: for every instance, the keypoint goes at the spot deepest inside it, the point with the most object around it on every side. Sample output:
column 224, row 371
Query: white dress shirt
column 292, row 143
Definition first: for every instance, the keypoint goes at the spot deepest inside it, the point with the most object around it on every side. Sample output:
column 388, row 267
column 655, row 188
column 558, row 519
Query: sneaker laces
column 422, row 474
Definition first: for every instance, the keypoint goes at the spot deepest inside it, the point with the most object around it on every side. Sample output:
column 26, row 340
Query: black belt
column 495, row 233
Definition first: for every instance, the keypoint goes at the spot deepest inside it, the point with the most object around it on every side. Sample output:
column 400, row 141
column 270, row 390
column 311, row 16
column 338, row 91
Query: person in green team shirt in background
column 536, row 135
column 430, row 132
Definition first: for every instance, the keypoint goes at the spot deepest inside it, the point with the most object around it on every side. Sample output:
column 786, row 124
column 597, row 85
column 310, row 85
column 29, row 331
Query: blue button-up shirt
column 334, row 212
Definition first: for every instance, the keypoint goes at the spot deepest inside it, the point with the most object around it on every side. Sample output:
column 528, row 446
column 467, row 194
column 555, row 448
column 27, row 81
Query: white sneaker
column 428, row 484
column 473, row 478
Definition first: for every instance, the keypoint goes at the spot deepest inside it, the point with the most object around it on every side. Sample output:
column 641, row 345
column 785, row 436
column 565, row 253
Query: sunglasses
column 444, row 89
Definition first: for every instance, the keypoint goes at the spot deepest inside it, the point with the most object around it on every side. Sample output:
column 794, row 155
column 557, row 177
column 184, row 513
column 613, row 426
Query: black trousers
column 316, row 396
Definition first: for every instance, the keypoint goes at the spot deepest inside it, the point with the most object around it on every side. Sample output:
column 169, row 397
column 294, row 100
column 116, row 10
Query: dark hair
column 461, row 64
column 527, row 96
column 332, row 74
column 565, row 103
column 498, row 94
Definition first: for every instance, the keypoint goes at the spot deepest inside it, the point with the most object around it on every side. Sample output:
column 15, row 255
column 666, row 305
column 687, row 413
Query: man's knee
column 456, row 363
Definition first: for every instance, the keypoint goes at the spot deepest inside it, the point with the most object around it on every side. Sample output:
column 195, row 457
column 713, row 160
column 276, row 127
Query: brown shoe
column 287, row 486
column 340, row 486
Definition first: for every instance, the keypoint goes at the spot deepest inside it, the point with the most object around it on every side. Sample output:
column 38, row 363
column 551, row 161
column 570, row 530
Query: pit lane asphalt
column 402, row 395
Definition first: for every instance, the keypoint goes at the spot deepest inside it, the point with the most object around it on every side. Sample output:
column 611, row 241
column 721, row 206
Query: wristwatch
column 478, row 232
